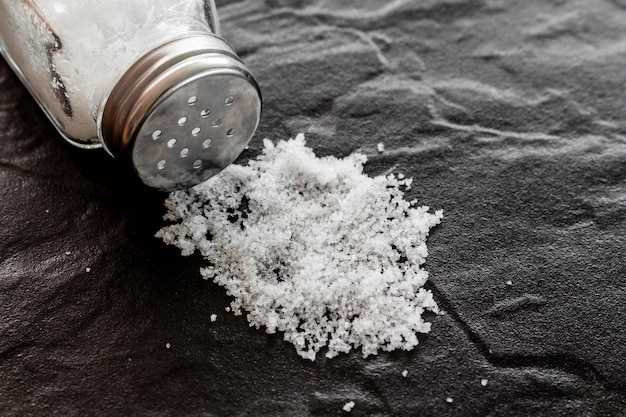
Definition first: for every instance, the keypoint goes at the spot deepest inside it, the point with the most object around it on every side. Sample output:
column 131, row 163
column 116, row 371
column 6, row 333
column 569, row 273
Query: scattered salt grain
column 47, row 211
column 68, row 253
column 167, row 345
column 347, row 407
column 227, row 309
column 312, row 247
column 87, row 269
column 483, row 382
column 213, row 317
column 380, row 147
column 405, row 373
column 509, row 282
column 449, row 400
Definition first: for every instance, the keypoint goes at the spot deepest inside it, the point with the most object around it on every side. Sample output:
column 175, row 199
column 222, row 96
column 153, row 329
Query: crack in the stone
column 530, row 136
column 561, row 362
column 381, row 18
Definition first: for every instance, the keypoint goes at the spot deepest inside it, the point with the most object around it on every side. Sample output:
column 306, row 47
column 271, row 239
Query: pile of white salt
column 312, row 247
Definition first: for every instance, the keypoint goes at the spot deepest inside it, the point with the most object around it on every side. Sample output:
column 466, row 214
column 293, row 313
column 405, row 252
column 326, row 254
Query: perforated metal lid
column 182, row 113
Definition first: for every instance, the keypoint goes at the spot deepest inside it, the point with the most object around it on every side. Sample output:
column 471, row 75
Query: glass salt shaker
column 151, row 81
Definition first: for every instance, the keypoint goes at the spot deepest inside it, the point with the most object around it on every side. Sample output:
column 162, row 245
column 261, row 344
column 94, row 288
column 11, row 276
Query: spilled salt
column 380, row 147
column 167, row 345
column 213, row 317
column 347, row 407
column 484, row 382
column 405, row 373
column 449, row 400
column 312, row 247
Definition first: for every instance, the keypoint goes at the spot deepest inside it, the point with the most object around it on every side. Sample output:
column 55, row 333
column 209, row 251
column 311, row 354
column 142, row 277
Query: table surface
column 510, row 116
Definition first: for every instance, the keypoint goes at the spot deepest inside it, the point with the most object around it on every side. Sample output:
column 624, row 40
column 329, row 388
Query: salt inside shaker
column 151, row 81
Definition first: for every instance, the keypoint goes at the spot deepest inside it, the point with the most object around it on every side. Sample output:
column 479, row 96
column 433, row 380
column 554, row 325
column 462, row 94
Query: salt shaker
column 151, row 81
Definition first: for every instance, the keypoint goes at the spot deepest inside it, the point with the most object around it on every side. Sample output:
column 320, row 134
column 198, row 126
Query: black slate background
column 508, row 115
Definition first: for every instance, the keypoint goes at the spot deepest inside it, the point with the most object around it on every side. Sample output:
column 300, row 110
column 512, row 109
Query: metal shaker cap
column 182, row 113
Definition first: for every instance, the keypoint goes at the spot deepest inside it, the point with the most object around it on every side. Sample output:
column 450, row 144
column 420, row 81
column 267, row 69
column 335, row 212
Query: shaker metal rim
column 162, row 85
column 197, row 129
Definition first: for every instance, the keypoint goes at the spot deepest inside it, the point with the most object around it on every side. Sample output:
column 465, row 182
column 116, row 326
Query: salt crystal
column 509, row 282
column 213, row 317
column 313, row 248
column 347, row 407
column 68, row 252
column 449, row 400
column 167, row 345
column 380, row 147
column 87, row 269
column 483, row 382
column 405, row 373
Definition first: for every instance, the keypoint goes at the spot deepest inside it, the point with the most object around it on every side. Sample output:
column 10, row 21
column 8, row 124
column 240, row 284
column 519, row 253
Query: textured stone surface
column 510, row 117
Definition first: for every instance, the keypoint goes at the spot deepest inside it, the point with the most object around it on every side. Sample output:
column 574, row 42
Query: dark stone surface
column 510, row 117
